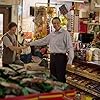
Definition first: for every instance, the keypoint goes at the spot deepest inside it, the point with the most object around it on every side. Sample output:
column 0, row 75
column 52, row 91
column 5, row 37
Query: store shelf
column 84, row 74
column 87, row 63
column 94, row 23
column 82, row 88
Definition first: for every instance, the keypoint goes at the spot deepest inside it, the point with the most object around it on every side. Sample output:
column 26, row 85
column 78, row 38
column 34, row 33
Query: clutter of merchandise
column 18, row 81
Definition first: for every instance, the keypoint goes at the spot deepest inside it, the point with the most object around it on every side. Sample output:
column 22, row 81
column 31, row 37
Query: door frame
column 6, row 11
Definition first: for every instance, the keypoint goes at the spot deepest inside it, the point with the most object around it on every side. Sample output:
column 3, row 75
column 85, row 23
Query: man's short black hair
column 11, row 24
column 56, row 18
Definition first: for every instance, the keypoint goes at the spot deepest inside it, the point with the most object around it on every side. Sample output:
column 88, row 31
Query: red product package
column 82, row 27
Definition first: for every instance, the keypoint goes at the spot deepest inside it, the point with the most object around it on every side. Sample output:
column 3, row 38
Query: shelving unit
column 94, row 23
column 84, row 75
column 82, row 88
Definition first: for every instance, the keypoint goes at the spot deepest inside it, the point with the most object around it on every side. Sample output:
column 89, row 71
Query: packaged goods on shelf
column 85, row 76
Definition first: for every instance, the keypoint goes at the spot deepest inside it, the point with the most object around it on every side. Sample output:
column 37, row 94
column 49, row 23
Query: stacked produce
column 16, row 81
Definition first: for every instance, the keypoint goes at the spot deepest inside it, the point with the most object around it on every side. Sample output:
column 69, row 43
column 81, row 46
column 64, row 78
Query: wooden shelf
column 94, row 23
column 87, row 63
column 82, row 88
column 84, row 74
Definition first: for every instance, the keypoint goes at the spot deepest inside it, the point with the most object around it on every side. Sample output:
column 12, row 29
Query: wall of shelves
column 85, row 74
column 94, row 23
column 88, row 17
column 83, row 71
column 83, row 88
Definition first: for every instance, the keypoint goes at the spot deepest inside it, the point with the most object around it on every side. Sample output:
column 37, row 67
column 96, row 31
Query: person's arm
column 8, row 44
column 0, row 41
column 70, row 49
column 13, row 48
column 41, row 42
column 2, row 38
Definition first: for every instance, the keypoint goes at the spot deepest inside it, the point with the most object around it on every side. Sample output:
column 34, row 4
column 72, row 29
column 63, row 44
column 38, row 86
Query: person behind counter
column 10, row 45
column 60, row 43
column 25, row 55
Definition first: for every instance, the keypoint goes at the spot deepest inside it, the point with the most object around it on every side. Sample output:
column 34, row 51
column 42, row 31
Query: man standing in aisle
column 10, row 45
column 60, row 43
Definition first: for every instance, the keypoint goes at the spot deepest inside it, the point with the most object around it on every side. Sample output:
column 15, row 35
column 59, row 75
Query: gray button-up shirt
column 59, row 42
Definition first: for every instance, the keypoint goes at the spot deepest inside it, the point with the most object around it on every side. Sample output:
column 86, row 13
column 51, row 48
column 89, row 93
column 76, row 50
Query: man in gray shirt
column 60, row 43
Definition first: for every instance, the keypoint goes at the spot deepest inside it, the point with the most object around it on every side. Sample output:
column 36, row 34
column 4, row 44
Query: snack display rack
column 83, row 78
